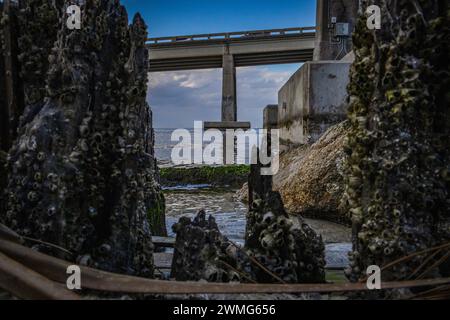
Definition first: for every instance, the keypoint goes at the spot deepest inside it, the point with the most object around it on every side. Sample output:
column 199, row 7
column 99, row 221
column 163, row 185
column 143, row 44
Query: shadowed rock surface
column 397, row 170
column 82, row 172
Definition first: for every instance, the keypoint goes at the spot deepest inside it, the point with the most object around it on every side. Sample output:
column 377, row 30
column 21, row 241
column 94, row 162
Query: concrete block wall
column 312, row 100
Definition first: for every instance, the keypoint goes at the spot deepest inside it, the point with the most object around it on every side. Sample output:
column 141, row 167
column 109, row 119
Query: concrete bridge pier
column 228, row 51
column 229, row 101
column 331, row 44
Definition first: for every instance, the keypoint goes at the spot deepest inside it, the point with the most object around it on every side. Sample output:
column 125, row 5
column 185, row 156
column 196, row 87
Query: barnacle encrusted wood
column 202, row 252
column 38, row 27
column 285, row 245
column 4, row 130
column 31, row 27
column 82, row 173
column 398, row 182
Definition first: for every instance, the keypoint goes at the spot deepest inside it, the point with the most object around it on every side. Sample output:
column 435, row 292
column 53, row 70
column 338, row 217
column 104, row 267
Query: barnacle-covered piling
column 285, row 245
column 397, row 184
column 82, row 172
column 203, row 253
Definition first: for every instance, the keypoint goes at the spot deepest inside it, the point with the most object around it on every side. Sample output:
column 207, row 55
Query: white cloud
column 178, row 98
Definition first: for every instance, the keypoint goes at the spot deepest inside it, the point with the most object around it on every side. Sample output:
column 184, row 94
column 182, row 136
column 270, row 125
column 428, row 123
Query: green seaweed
column 156, row 216
column 230, row 175
column 335, row 276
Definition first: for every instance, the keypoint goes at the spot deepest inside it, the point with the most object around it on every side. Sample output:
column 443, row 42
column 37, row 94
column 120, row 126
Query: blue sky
column 179, row 98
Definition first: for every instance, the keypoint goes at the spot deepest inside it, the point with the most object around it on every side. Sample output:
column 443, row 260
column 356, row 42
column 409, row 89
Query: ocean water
column 187, row 200
column 164, row 146
column 230, row 215
column 221, row 204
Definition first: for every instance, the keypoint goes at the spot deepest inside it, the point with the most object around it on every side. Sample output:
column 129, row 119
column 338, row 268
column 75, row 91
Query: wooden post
column 11, row 103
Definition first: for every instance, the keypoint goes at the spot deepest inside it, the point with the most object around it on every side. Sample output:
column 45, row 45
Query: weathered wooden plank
column 8, row 234
column 9, row 69
column 165, row 242
column 335, row 254
column 28, row 284
column 55, row 269
column 335, row 259
column 162, row 260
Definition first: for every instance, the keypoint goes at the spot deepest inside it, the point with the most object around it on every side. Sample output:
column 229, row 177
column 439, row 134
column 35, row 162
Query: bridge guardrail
column 231, row 35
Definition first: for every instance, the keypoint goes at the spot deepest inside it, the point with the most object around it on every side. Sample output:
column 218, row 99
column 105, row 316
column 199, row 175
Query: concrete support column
column 270, row 117
column 229, row 104
column 327, row 46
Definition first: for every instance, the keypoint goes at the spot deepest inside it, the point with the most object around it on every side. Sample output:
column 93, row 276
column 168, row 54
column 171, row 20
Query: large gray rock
column 310, row 178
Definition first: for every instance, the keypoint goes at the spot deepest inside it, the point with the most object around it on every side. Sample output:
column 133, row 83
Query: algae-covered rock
column 397, row 170
column 82, row 173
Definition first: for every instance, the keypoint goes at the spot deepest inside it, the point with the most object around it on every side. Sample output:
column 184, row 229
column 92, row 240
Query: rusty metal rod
column 259, row 264
column 25, row 283
column 424, row 263
column 8, row 234
column 409, row 257
column 435, row 265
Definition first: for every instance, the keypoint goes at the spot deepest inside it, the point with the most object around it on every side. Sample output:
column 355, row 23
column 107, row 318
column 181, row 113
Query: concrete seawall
column 311, row 101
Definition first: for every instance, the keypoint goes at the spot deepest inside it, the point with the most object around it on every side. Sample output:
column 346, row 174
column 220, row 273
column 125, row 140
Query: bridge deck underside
column 242, row 60
column 246, row 52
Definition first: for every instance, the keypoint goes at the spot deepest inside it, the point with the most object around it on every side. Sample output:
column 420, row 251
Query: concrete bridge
column 228, row 51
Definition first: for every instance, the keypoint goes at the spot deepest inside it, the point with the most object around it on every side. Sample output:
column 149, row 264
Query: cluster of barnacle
column 141, row 193
column 397, row 185
column 3, row 22
column 202, row 253
column 289, row 249
column 38, row 24
column 32, row 189
column 3, row 103
column 80, row 176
